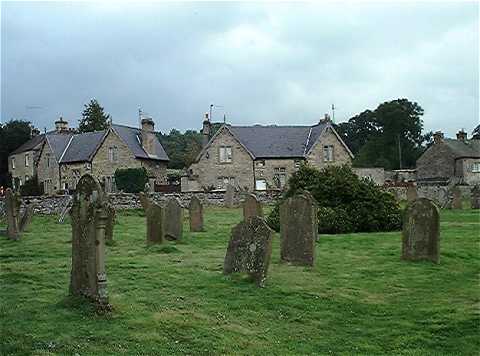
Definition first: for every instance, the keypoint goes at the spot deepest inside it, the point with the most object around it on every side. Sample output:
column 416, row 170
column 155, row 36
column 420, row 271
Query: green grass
column 360, row 298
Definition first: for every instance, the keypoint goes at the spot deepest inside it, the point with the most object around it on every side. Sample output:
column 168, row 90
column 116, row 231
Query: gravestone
column 27, row 217
column 173, row 220
column 12, row 208
column 421, row 231
column 475, row 197
column 110, row 224
column 252, row 207
column 298, row 229
column 249, row 249
column 411, row 193
column 155, row 216
column 195, row 209
column 88, row 218
column 456, row 198
column 229, row 198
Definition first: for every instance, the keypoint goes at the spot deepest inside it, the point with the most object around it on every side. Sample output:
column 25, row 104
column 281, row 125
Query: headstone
column 411, row 193
column 195, row 209
column 27, row 217
column 249, row 249
column 475, row 197
column 456, row 198
column 298, row 229
column 173, row 220
column 88, row 218
column 252, row 207
column 12, row 207
column 110, row 223
column 155, row 220
column 229, row 198
column 421, row 231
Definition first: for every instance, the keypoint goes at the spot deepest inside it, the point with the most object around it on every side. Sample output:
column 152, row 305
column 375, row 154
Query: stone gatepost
column 475, row 197
column 155, row 220
column 252, row 207
column 12, row 208
column 195, row 210
column 173, row 220
column 421, row 231
column 298, row 229
column 411, row 193
column 88, row 218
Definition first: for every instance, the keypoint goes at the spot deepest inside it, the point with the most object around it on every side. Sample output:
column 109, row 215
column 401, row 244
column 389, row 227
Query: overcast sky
column 268, row 63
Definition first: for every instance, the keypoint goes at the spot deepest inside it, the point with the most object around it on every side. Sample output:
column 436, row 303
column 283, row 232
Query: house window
column 476, row 167
column 76, row 177
column 261, row 184
column 225, row 154
column 280, row 177
column 223, row 181
column 48, row 159
column 297, row 163
column 260, row 163
column 27, row 160
column 113, row 154
column 13, row 163
column 110, row 186
column 65, row 186
column 328, row 153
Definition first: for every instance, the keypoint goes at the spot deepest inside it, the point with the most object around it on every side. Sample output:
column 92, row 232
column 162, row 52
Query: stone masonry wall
column 340, row 154
column 47, row 168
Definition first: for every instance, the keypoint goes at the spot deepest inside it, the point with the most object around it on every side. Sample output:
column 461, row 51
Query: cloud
column 263, row 62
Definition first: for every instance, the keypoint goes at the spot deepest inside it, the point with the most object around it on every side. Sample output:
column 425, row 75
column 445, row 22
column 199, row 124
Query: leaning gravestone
column 155, row 216
column 249, row 249
column 110, row 224
column 475, row 197
column 229, row 198
column 411, row 193
column 298, row 229
column 27, row 217
column 456, row 198
column 88, row 218
column 12, row 208
column 195, row 210
column 421, row 231
column 173, row 220
column 252, row 207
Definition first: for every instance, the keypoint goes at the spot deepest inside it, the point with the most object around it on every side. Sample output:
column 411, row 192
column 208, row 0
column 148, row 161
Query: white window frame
column 476, row 167
column 47, row 158
column 225, row 154
column 260, row 184
column 27, row 159
column 328, row 153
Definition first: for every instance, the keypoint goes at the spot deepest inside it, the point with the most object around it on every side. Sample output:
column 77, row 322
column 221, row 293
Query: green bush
column 31, row 187
column 131, row 180
column 346, row 202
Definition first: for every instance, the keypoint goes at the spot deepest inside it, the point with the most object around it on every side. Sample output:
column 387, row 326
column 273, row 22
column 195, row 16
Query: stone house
column 65, row 156
column 262, row 157
column 448, row 160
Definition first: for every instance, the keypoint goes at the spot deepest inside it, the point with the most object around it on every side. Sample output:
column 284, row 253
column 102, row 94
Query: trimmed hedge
column 131, row 180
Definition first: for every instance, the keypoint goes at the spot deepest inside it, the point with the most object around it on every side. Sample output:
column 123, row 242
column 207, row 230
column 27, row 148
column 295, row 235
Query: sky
column 258, row 63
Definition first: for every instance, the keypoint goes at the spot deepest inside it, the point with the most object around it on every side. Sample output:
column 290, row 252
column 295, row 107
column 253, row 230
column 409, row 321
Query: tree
column 357, row 130
column 476, row 133
column 93, row 118
column 182, row 149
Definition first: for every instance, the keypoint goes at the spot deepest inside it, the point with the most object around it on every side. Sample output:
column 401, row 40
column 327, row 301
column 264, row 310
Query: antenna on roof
column 224, row 118
column 139, row 117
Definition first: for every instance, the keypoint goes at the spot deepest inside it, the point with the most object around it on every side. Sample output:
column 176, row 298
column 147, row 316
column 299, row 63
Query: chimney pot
column 438, row 137
column 148, row 135
column 461, row 135
column 61, row 125
column 206, row 130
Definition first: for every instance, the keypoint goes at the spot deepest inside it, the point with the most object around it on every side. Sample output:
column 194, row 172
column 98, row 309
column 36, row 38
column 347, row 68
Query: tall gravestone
column 173, row 220
column 27, row 217
column 411, row 193
column 249, row 249
column 155, row 220
column 110, row 224
column 475, row 197
column 421, row 231
column 252, row 207
column 229, row 198
column 456, row 198
column 12, row 208
column 195, row 210
column 88, row 218
column 298, row 229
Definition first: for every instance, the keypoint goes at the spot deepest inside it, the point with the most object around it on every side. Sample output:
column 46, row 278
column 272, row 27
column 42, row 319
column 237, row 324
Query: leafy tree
column 476, row 133
column 358, row 129
column 131, row 180
column 182, row 149
column 93, row 118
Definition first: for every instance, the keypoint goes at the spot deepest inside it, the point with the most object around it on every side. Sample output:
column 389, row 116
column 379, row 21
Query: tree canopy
column 181, row 148
column 93, row 118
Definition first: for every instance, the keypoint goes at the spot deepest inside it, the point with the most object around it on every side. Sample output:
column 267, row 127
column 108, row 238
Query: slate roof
column 132, row 137
column 30, row 144
column 82, row 147
column 277, row 141
column 461, row 149
column 58, row 142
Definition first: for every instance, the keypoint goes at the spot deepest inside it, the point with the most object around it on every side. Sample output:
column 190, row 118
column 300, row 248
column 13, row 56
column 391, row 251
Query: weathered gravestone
column 12, row 207
column 27, row 217
column 155, row 224
column 411, row 193
column 249, row 249
column 195, row 209
column 173, row 220
column 229, row 198
column 475, row 197
column 298, row 229
column 88, row 218
column 456, row 198
column 252, row 207
column 421, row 231
column 110, row 224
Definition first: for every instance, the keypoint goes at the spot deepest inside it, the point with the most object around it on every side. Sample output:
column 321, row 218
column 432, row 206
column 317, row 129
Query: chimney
column 461, row 135
column 325, row 119
column 61, row 125
column 148, row 135
column 206, row 130
column 35, row 132
column 438, row 137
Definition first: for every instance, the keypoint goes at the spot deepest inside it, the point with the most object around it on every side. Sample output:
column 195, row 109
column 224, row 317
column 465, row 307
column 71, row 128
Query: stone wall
column 377, row 175
column 437, row 193
column 340, row 153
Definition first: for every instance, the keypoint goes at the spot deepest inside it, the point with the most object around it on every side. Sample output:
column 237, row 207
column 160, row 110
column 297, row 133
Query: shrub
column 131, row 180
column 31, row 187
column 346, row 202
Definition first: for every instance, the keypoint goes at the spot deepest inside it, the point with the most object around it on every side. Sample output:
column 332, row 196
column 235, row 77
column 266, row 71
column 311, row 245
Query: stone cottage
column 262, row 157
column 450, row 159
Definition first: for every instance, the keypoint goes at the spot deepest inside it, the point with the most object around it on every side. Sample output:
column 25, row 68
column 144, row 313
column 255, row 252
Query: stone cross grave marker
column 249, row 249
column 195, row 209
column 155, row 220
column 411, row 193
column 252, row 207
column 173, row 220
column 421, row 231
column 229, row 198
column 12, row 208
column 298, row 229
column 88, row 218
column 475, row 197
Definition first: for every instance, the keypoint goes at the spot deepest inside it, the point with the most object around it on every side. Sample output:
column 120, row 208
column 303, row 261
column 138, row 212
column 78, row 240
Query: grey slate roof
column 277, row 141
column 32, row 144
column 469, row 148
column 132, row 137
column 82, row 147
column 58, row 142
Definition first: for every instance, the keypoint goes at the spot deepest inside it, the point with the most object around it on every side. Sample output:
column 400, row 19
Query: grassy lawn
column 173, row 299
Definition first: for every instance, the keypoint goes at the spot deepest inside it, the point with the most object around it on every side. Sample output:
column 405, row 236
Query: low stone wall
column 52, row 205
column 437, row 193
